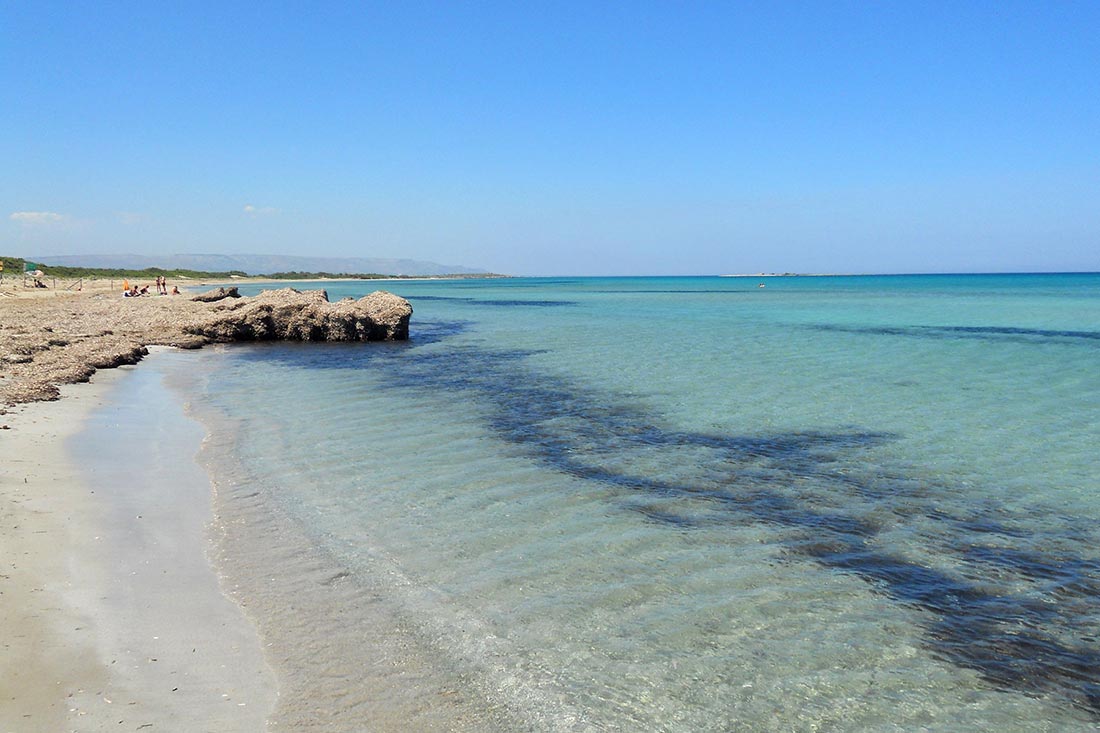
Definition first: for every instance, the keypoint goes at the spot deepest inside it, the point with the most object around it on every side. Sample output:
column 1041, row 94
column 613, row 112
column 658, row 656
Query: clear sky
column 557, row 137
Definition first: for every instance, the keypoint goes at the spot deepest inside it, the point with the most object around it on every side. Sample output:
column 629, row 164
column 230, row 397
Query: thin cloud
column 129, row 218
column 260, row 210
column 37, row 218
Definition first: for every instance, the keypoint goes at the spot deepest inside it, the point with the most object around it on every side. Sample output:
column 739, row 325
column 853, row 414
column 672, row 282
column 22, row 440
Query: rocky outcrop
column 291, row 315
column 213, row 296
column 60, row 340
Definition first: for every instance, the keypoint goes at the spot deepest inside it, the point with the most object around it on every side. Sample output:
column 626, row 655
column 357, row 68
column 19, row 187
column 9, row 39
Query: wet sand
column 112, row 615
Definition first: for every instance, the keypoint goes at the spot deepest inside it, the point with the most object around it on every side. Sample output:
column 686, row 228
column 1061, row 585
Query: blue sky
column 559, row 138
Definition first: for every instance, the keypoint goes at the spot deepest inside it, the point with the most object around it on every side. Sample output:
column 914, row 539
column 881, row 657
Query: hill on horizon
column 258, row 264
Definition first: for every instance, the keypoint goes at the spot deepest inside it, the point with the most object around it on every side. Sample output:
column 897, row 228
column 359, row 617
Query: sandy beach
column 113, row 616
column 114, row 611
column 48, row 654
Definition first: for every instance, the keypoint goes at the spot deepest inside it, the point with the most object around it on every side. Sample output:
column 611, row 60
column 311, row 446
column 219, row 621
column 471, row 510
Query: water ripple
column 1011, row 604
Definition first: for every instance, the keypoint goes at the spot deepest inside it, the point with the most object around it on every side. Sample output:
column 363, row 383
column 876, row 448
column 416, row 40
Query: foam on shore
column 113, row 615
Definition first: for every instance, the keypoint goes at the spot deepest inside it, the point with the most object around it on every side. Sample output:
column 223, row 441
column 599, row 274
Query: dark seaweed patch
column 431, row 332
column 1004, row 603
column 1011, row 331
column 997, row 333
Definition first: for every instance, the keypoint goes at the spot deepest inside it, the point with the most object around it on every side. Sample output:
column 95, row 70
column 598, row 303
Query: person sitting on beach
column 175, row 290
column 144, row 290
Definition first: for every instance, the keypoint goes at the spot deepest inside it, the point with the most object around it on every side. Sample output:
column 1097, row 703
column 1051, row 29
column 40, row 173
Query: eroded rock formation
column 291, row 315
column 48, row 342
column 212, row 296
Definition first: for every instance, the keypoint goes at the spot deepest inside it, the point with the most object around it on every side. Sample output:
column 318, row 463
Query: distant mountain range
column 259, row 264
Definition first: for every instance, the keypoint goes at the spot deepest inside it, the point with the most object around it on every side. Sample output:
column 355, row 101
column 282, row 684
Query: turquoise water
column 675, row 504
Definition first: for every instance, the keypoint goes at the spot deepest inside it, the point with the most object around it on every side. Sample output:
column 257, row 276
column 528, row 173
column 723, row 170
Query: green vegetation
column 296, row 275
column 13, row 266
column 116, row 273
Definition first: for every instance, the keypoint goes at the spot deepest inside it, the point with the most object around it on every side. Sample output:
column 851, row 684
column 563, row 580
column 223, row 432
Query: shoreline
column 113, row 611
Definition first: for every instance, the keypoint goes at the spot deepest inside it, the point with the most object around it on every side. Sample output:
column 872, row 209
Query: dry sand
column 61, row 335
column 112, row 616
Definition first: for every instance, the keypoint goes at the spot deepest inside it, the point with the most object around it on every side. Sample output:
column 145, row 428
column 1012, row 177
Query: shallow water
column 676, row 504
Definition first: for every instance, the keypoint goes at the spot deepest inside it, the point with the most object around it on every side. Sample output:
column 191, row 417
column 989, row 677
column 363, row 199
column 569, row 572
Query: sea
column 672, row 504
